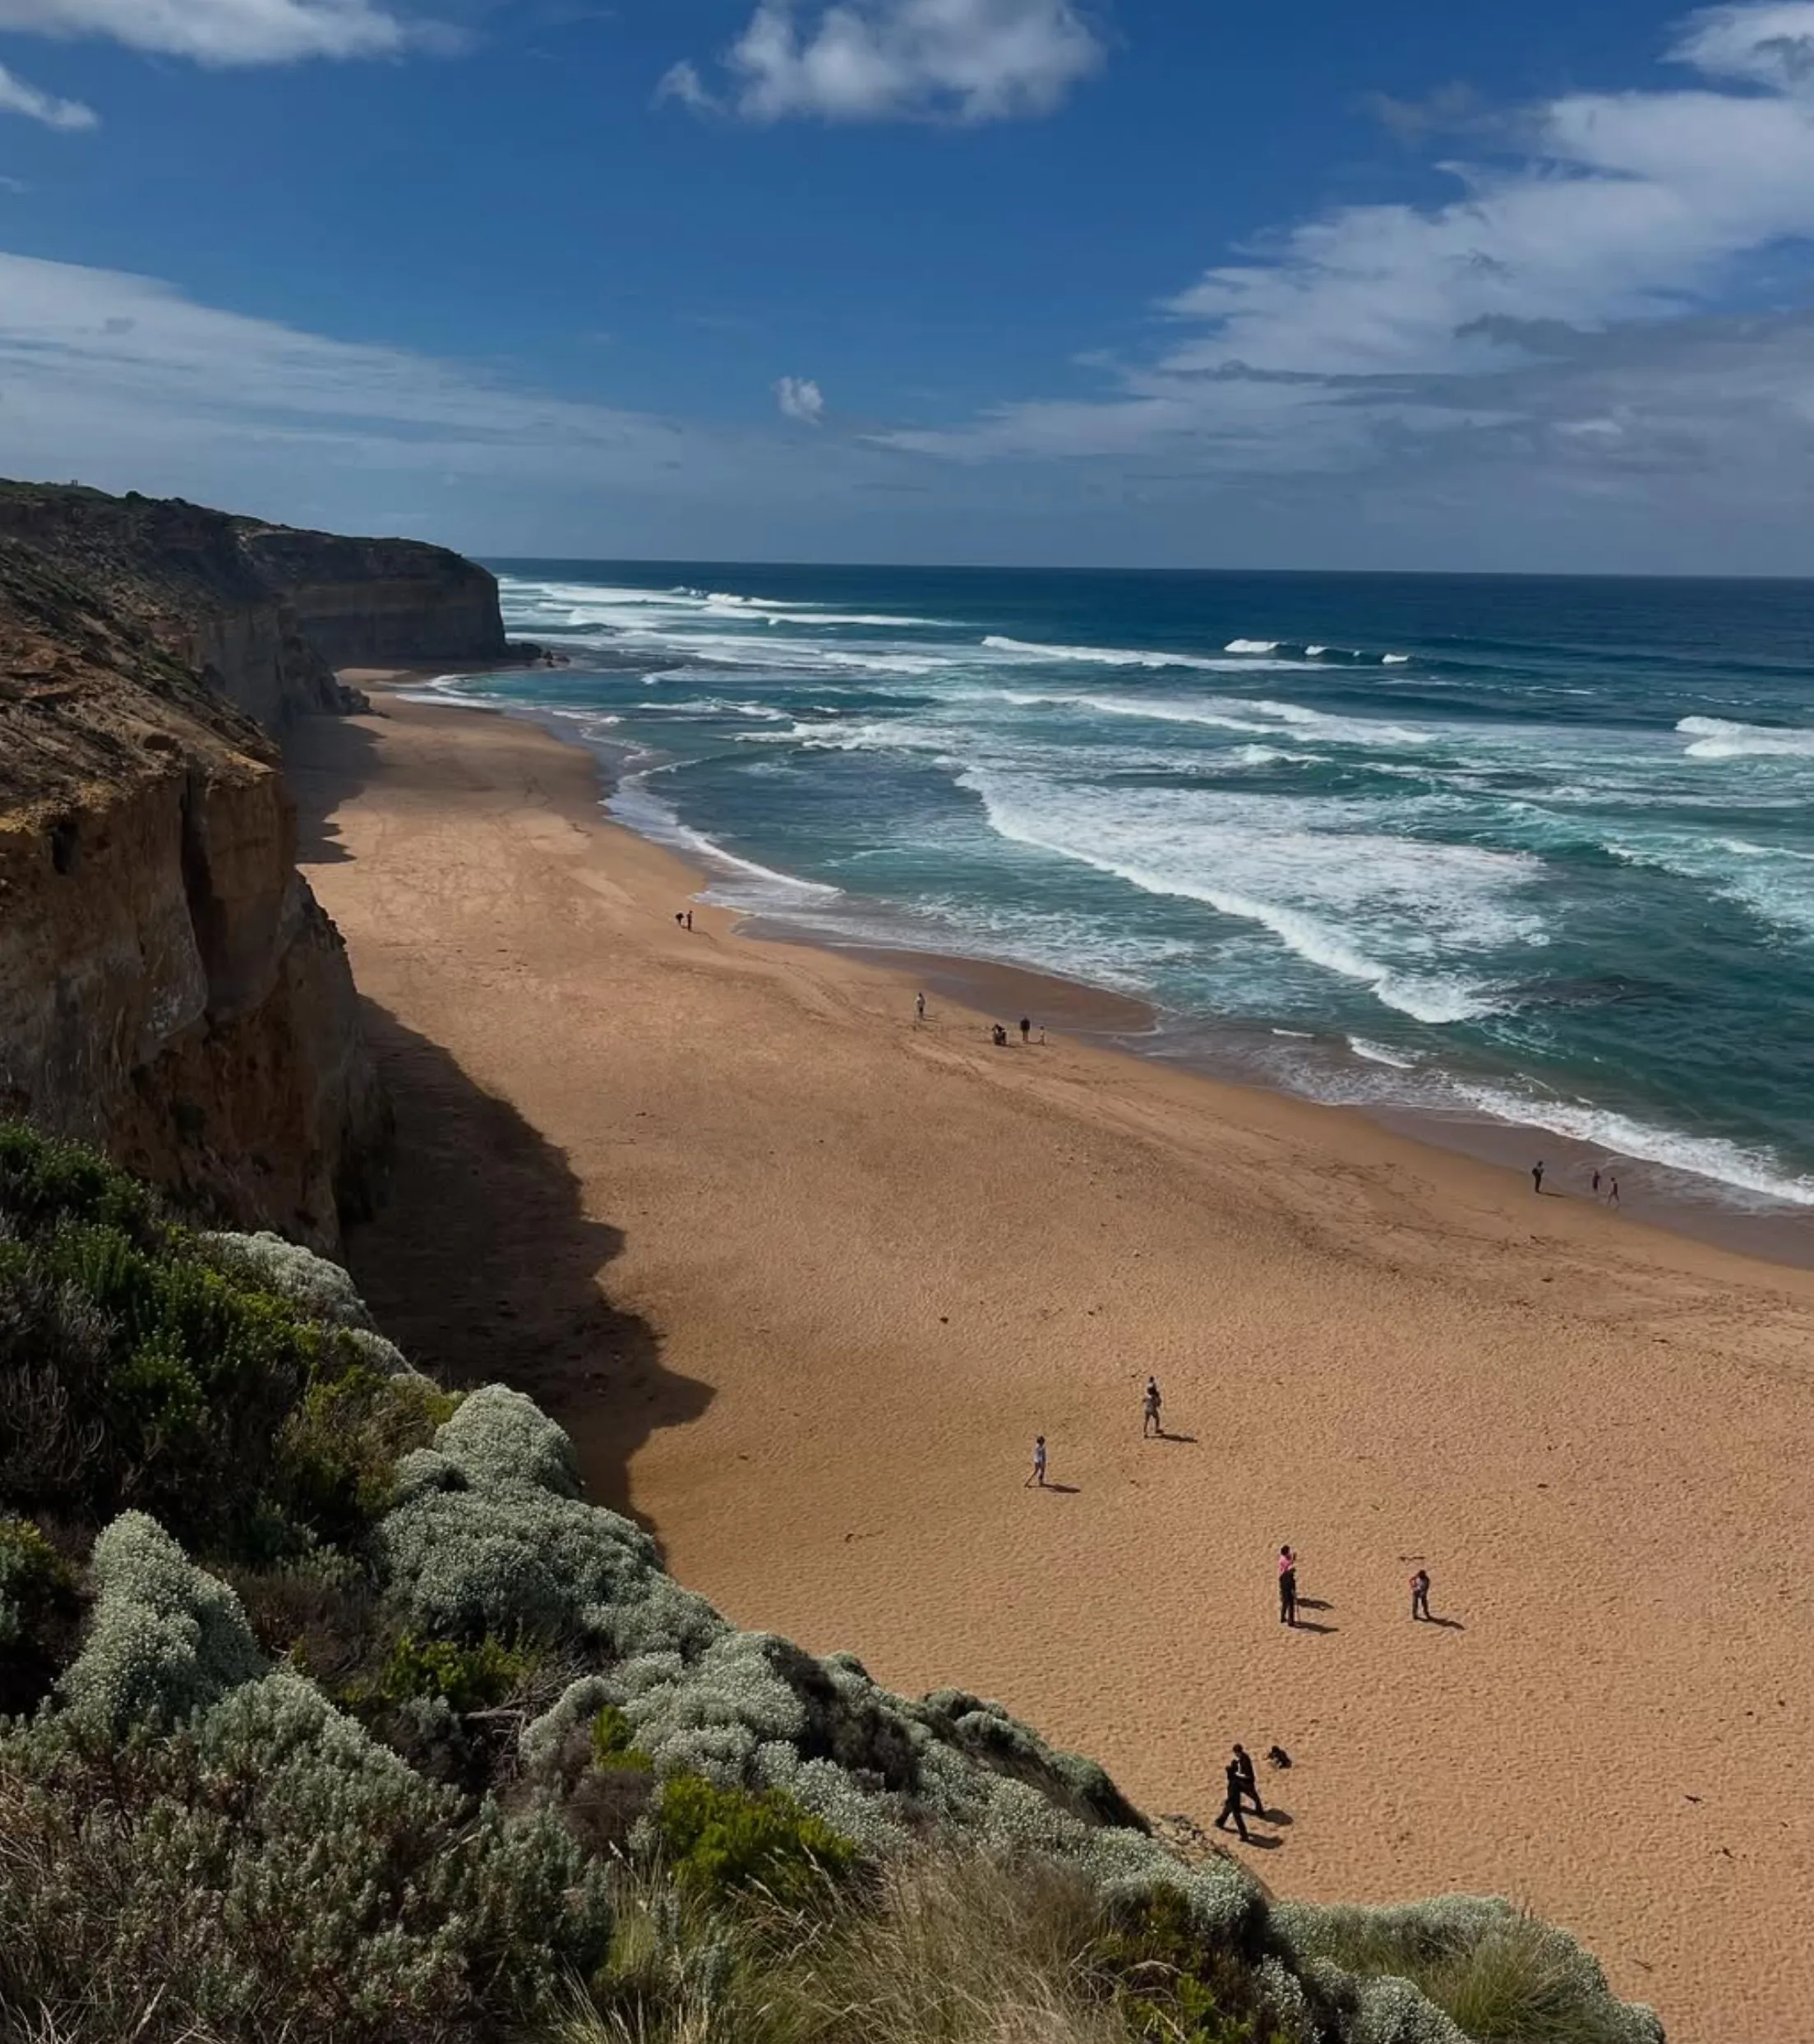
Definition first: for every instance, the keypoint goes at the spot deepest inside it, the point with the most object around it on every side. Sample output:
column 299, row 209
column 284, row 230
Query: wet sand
column 853, row 1266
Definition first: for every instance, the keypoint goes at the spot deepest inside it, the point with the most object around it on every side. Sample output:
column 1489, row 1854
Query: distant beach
column 1511, row 862
column 853, row 1266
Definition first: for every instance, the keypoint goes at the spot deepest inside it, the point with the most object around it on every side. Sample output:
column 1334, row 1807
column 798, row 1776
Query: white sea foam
column 1118, row 656
column 1251, row 645
column 1325, row 893
column 633, row 802
column 1395, row 660
column 1621, row 1135
column 1378, row 1053
column 712, row 706
column 1719, row 738
column 1314, row 652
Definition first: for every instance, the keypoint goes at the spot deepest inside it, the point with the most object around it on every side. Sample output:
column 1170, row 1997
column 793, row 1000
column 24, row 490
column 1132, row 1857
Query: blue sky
column 1141, row 282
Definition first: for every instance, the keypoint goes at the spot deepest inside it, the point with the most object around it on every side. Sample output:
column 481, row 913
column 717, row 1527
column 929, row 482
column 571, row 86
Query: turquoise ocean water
column 1530, row 850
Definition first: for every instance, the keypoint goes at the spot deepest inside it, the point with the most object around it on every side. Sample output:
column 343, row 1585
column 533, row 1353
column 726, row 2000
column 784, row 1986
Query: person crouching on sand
column 1149, row 1411
column 1420, row 1593
column 1288, row 1587
column 1038, row 1475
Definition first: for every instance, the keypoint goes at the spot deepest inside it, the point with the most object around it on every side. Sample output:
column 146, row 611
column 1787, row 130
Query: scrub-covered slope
column 344, row 1716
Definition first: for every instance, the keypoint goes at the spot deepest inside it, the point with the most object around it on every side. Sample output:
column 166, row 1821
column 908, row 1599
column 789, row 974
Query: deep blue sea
column 1536, row 850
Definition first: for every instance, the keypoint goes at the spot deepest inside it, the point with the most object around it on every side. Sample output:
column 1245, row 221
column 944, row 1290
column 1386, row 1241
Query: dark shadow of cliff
column 483, row 1264
column 326, row 761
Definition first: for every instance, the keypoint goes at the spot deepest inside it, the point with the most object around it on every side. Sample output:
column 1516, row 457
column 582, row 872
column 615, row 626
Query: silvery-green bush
column 320, row 1289
column 272, row 1873
column 1481, row 1958
column 166, row 1638
column 487, row 1538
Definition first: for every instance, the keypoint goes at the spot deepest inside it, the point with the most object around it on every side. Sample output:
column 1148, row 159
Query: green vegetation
column 717, row 1841
column 338, row 1716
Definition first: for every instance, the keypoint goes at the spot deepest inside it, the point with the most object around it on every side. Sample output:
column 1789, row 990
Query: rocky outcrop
column 265, row 612
column 381, row 603
column 169, row 987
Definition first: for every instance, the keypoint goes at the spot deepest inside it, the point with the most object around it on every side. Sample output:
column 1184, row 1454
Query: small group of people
column 1601, row 1178
column 1288, row 1588
column 998, row 1034
column 683, row 918
column 1150, row 1428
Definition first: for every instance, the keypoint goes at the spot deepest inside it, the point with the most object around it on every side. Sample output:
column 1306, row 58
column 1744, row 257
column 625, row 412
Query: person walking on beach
column 1038, row 1475
column 1612, row 1197
column 1420, row 1593
column 1149, row 1412
column 919, row 1008
column 1250, row 1784
column 689, row 919
column 1026, row 1029
column 1231, row 1801
column 1596, row 1185
column 1288, row 1587
column 1536, row 1175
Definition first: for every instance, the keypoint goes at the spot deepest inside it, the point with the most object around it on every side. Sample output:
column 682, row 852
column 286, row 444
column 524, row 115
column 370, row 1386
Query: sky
column 1143, row 282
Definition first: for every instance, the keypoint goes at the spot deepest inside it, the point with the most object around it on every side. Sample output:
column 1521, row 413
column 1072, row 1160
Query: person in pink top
column 1288, row 1587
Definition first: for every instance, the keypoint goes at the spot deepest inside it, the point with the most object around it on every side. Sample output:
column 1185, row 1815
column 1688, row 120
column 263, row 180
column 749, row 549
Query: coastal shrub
column 486, row 1540
column 166, row 1638
column 338, row 1448
column 132, row 1375
column 318, row 1288
column 37, row 1609
column 43, row 1182
column 614, row 1742
column 500, row 1437
column 1496, row 1973
column 154, row 1889
column 465, row 1677
column 32, row 1573
column 716, row 1841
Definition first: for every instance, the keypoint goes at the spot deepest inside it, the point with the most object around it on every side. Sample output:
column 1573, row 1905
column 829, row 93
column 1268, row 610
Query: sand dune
column 860, row 1264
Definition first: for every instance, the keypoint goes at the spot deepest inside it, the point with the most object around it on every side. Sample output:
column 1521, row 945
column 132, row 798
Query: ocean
column 1496, row 850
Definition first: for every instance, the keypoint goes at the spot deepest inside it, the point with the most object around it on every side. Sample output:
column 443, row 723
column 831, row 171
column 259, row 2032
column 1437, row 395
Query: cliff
column 169, row 986
column 380, row 602
column 265, row 613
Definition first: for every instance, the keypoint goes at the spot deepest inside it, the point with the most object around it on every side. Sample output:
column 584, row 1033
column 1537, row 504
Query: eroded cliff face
column 169, row 989
column 381, row 603
column 265, row 612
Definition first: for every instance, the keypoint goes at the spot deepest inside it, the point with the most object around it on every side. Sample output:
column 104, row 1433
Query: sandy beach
column 805, row 1280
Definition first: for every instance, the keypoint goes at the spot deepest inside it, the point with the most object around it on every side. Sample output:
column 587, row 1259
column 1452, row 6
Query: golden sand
column 805, row 1280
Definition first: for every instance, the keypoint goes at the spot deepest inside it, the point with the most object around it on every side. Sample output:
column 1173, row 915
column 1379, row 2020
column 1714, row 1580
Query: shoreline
column 1771, row 1230
column 803, row 1281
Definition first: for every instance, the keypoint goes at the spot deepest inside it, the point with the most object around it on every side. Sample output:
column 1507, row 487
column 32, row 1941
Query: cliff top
column 91, row 687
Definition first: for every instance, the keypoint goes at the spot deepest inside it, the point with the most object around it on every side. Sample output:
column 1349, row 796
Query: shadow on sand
column 483, row 1264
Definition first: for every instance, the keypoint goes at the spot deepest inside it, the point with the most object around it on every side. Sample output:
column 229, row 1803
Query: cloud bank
column 889, row 60
column 1569, row 311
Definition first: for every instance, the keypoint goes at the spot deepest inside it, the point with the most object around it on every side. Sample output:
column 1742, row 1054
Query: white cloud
column 799, row 398
column 17, row 97
column 1373, row 331
column 223, row 31
column 878, row 60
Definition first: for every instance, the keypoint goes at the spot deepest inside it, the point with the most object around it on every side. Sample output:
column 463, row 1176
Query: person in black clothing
column 1025, row 1028
column 1288, row 1587
column 1420, row 1593
column 1250, row 1787
column 1536, row 1175
column 1231, row 1802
